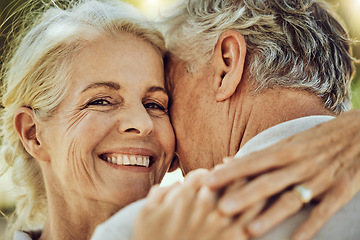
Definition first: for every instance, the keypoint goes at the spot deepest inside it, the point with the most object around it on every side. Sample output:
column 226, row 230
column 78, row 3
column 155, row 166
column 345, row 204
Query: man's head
column 296, row 44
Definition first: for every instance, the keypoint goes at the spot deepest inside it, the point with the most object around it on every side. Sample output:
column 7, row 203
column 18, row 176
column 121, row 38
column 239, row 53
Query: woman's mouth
column 127, row 160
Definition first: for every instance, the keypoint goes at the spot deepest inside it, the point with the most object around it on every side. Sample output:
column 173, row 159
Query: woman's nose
column 136, row 121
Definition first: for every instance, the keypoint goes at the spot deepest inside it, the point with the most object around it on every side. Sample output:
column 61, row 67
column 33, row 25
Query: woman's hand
column 185, row 211
column 324, row 159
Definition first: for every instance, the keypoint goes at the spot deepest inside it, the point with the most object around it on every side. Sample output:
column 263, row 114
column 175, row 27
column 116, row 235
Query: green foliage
column 355, row 87
column 134, row 2
column 7, row 8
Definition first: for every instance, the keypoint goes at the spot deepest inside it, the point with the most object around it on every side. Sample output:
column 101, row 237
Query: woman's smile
column 131, row 159
column 111, row 133
column 86, row 115
column 127, row 160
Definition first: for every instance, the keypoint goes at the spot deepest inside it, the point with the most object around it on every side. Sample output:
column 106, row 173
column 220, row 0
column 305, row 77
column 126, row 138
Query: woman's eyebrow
column 111, row 85
column 156, row 89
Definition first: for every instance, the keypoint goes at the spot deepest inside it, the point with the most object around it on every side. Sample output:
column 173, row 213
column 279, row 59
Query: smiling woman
column 85, row 124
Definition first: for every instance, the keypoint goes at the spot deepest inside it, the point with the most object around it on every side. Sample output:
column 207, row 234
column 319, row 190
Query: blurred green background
column 349, row 10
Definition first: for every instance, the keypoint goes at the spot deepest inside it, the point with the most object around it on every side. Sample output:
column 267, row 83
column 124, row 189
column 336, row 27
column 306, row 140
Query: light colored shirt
column 121, row 225
column 344, row 225
column 19, row 235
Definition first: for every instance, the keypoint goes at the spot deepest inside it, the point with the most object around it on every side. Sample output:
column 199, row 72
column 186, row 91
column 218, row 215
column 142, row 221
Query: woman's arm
column 324, row 159
column 185, row 211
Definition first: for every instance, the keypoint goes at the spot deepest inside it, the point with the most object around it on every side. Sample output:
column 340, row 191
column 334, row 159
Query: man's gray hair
column 290, row 43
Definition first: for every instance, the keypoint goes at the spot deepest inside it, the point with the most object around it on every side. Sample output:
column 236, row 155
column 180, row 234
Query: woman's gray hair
column 296, row 44
column 37, row 73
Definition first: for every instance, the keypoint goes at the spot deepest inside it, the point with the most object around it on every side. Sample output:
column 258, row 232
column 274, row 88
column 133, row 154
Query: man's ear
column 26, row 127
column 229, row 60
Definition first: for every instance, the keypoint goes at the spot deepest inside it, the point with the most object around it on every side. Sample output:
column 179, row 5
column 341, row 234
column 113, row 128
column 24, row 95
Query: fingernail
column 211, row 180
column 255, row 226
column 220, row 165
column 228, row 206
column 227, row 159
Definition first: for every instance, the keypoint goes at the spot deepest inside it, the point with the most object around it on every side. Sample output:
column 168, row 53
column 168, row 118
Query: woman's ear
column 26, row 127
column 229, row 60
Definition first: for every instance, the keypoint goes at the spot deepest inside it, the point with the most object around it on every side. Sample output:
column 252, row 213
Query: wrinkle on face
column 72, row 120
column 115, row 81
column 80, row 169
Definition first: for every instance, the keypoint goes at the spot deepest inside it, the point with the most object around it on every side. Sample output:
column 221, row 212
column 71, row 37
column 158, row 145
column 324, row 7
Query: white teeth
column 119, row 160
column 126, row 160
column 129, row 160
column 139, row 161
column 143, row 161
column 133, row 160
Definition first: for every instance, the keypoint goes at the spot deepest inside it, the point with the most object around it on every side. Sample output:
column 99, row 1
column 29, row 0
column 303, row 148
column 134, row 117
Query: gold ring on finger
column 304, row 193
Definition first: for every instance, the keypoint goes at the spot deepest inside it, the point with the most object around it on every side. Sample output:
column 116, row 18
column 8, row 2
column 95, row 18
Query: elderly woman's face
column 110, row 139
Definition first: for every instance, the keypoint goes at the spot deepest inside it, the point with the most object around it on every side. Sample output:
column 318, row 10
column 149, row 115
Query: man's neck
column 256, row 112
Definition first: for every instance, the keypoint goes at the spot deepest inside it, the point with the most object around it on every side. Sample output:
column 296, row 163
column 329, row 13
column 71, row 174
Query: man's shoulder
column 281, row 131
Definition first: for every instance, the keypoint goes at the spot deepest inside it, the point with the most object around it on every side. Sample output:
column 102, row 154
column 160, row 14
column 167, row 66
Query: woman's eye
column 99, row 102
column 155, row 106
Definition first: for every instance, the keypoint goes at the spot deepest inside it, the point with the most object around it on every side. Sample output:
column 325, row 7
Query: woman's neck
column 71, row 216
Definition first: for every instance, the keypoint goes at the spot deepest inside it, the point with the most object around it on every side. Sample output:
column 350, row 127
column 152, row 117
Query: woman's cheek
column 94, row 125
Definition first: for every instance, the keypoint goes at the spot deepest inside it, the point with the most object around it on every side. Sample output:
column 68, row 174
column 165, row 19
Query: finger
column 235, row 231
column 234, row 187
column 343, row 190
column 276, row 214
column 156, row 207
column 205, row 203
column 266, row 185
column 177, row 207
column 290, row 203
column 157, row 193
column 196, row 178
column 252, row 164
column 180, row 193
column 217, row 222
column 153, row 191
column 178, row 203
column 192, row 183
column 252, row 212
column 330, row 204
